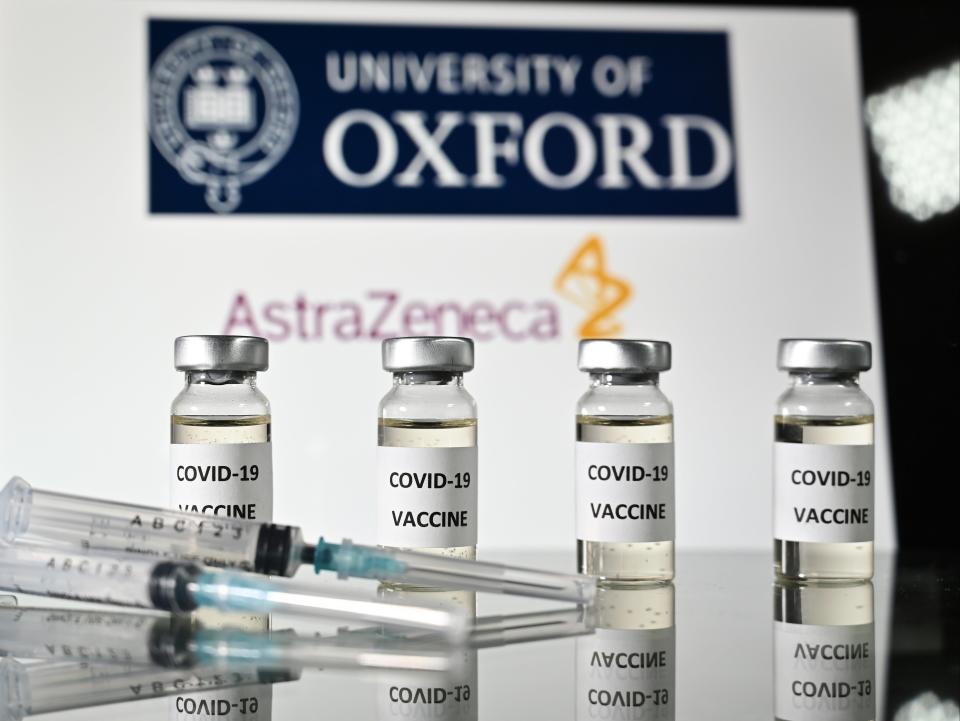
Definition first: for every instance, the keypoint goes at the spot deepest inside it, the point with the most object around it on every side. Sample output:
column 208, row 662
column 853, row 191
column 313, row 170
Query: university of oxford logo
column 223, row 110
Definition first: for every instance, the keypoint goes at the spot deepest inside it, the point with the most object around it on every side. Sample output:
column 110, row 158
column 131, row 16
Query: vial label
column 626, row 674
column 823, row 673
column 232, row 480
column 430, row 696
column 823, row 493
column 254, row 703
column 427, row 497
column 625, row 492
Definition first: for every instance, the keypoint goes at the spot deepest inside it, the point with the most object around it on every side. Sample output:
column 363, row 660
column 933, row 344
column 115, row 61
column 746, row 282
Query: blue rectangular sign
column 264, row 117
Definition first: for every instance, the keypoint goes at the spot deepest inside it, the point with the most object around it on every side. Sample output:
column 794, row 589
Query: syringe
column 183, row 587
column 72, row 522
column 28, row 689
column 138, row 639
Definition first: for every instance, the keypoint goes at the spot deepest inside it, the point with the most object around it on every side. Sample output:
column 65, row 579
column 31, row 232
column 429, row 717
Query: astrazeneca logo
column 382, row 313
column 223, row 110
column 587, row 281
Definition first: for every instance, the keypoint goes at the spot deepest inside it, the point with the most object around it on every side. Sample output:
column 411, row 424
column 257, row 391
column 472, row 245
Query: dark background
column 919, row 279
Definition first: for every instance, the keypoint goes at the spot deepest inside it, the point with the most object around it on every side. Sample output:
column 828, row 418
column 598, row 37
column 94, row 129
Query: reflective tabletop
column 722, row 642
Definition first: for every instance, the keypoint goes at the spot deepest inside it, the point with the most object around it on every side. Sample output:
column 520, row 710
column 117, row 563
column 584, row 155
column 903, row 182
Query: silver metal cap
column 823, row 354
column 622, row 354
column 220, row 353
column 428, row 353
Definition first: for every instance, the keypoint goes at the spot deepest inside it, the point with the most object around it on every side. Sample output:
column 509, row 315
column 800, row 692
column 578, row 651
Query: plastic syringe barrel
column 44, row 518
column 386, row 564
column 61, row 574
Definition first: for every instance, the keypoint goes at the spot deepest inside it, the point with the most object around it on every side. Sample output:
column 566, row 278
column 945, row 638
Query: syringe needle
column 349, row 560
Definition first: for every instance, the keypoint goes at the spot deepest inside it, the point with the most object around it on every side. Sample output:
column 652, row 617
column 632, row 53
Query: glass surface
column 724, row 608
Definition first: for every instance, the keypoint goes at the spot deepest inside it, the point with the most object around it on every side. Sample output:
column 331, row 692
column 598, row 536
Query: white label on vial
column 823, row 673
column 823, row 493
column 427, row 497
column 430, row 696
column 250, row 703
column 626, row 674
column 228, row 479
column 624, row 492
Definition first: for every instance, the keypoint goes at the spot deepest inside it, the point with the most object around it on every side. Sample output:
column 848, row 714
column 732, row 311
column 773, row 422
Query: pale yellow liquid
column 803, row 560
column 635, row 608
column 626, row 563
column 219, row 429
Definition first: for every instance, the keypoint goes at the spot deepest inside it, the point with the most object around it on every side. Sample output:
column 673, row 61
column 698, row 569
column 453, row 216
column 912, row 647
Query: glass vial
column 824, row 658
column 221, row 464
column 823, row 463
column 627, row 668
column 427, row 448
column 220, row 454
column 624, row 463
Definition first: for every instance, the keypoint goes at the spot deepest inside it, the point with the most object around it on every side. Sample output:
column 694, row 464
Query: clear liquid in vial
column 626, row 563
column 456, row 433
column 802, row 560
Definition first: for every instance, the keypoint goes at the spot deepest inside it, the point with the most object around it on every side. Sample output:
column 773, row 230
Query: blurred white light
column 927, row 707
column 915, row 128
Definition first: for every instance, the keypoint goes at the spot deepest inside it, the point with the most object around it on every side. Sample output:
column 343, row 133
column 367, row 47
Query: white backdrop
column 94, row 289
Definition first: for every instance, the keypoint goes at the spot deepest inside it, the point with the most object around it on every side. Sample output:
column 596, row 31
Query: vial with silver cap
column 221, row 459
column 625, row 463
column 823, row 462
column 220, row 455
column 427, row 448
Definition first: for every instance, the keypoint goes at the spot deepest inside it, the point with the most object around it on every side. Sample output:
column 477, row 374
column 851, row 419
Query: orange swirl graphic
column 585, row 281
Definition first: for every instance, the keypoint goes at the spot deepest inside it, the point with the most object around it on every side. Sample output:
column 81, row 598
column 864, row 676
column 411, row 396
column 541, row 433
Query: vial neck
column 428, row 378
column 625, row 379
column 221, row 378
column 822, row 378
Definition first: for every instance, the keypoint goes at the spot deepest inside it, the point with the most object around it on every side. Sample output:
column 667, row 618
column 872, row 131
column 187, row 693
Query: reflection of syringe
column 184, row 587
column 132, row 639
column 506, row 630
column 37, row 688
column 55, row 519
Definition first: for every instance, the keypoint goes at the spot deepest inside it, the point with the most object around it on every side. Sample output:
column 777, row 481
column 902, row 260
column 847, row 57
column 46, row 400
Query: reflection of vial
column 627, row 668
column 439, row 696
column 824, row 656
column 624, row 463
column 221, row 464
column 427, row 455
column 823, row 463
